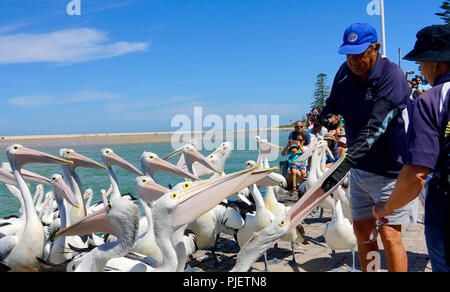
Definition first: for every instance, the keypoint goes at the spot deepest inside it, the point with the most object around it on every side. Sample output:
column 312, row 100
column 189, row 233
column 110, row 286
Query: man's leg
column 363, row 229
column 396, row 259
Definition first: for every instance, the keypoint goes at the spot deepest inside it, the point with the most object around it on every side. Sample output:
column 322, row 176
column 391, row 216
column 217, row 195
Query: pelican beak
column 195, row 156
column 256, row 176
column 83, row 161
column 148, row 190
column 7, row 178
column 115, row 159
column 63, row 191
column 158, row 164
column 209, row 193
column 311, row 198
column 271, row 180
column 26, row 155
column 173, row 154
column 34, row 177
column 94, row 223
column 329, row 153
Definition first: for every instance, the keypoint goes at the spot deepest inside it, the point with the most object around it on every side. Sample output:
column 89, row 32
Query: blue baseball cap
column 357, row 38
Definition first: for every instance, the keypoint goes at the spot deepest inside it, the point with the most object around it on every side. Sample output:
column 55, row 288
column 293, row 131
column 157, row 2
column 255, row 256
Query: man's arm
column 408, row 187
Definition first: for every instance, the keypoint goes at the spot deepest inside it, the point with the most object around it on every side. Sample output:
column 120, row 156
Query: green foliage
column 445, row 15
column 321, row 92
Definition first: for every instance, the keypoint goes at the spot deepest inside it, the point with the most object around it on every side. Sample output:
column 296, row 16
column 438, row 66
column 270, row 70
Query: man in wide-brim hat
column 428, row 146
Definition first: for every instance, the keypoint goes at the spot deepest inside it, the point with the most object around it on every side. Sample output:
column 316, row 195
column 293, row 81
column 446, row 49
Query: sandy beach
column 112, row 138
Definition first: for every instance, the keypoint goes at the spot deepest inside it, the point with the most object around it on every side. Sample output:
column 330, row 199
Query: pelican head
column 197, row 198
column 27, row 175
column 63, row 191
column 148, row 190
column 79, row 160
column 259, row 243
column 119, row 215
column 194, row 156
column 151, row 163
column 19, row 155
column 110, row 158
column 88, row 193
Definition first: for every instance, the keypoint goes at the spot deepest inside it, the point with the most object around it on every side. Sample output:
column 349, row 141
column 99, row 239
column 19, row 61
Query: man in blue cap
column 371, row 94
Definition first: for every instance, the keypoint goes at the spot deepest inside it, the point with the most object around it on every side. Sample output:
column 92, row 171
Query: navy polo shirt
column 423, row 147
column 374, row 126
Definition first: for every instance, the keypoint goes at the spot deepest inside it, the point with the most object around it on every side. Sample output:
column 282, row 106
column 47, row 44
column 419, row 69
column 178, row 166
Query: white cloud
column 63, row 47
column 76, row 97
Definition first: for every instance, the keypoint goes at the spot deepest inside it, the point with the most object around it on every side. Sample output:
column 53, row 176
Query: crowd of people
column 300, row 138
column 395, row 138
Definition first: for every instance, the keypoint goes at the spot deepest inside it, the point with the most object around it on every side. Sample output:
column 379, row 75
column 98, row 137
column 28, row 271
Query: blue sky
column 132, row 65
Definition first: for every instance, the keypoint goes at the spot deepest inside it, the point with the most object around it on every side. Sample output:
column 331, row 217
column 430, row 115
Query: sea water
column 99, row 179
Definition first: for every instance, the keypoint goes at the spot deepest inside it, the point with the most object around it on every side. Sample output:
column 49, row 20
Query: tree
column 321, row 92
column 446, row 14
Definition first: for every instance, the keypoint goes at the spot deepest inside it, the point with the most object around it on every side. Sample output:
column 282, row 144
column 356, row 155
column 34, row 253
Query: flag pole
column 383, row 32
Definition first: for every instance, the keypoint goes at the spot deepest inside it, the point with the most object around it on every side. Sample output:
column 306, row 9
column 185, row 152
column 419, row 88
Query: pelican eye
column 282, row 222
column 110, row 205
column 210, row 156
column 54, row 178
column 144, row 180
column 16, row 148
column 174, row 195
column 186, row 186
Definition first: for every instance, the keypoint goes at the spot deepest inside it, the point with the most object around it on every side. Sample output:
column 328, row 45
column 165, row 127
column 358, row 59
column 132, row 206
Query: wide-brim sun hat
column 432, row 45
column 357, row 39
column 329, row 137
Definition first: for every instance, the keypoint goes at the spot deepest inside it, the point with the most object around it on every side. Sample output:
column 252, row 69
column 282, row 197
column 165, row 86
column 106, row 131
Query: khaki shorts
column 366, row 189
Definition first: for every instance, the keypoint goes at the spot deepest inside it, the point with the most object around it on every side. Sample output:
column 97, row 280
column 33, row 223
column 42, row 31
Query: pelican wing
column 7, row 244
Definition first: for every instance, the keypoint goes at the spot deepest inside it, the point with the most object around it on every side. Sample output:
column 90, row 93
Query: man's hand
column 338, row 174
column 380, row 211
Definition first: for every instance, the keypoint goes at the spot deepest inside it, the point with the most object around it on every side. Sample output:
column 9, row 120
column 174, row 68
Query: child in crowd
column 297, row 167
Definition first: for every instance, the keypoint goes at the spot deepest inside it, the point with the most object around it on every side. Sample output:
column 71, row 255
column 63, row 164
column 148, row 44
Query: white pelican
column 255, row 222
column 109, row 159
column 73, row 180
column 171, row 212
column 213, row 191
column 20, row 251
column 295, row 235
column 59, row 250
column 339, row 234
column 151, row 163
column 148, row 190
column 259, row 243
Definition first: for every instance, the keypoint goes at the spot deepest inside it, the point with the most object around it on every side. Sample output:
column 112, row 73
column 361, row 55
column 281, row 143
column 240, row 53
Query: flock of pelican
column 63, row 230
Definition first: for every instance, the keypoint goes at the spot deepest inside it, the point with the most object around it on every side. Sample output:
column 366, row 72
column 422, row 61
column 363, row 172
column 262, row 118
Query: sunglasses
column 298, row 127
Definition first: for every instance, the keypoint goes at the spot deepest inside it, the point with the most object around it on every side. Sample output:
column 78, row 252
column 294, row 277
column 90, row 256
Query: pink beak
column 83, row 161
column 115, row 159
column 63, row 191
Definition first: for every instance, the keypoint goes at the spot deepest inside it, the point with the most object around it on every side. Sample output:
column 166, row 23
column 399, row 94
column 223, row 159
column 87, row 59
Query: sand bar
column 113, row 138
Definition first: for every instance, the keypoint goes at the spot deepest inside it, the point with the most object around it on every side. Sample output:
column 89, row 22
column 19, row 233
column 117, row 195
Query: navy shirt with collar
column 374, row 126
column 424, row 135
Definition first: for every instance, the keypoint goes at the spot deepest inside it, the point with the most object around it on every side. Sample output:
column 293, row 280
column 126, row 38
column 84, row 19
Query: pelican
column 339, row 234
column 59, row 250
column 148, row 190
column 170, row 212
column 74, row 182
column 19, row 252
column 109, row 159
column 259, row 243
column 215, row 190
column 295, row 235
column 151, row 163
column 255, row 222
